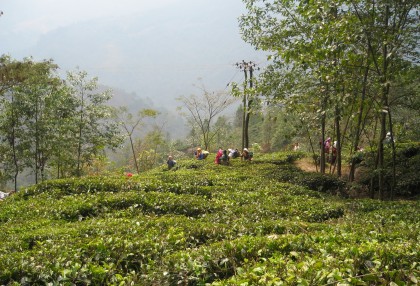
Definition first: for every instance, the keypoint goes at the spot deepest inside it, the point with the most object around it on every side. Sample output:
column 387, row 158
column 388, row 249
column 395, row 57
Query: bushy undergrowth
column 407, row 168
column 250, row 223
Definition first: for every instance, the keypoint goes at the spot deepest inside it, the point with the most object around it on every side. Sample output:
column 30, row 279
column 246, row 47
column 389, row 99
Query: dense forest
column 329, row 198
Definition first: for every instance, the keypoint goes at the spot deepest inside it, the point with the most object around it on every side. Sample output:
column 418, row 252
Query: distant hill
column 157, row 55
column 174, row 125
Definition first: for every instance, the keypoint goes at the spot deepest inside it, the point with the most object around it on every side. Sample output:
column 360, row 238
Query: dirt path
column 307, row 164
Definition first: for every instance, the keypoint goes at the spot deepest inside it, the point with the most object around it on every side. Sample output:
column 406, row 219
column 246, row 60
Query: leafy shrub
column 280, row 158
column 251, row 223
column 314, row 181
column 407, row 165
column 321, row 182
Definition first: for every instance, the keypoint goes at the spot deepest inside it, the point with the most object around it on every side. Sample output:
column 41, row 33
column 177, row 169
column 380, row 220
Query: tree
column 249, row 98
column 63, row 119
column 301, row 35
column 46, row 122
column 226, row 134
column 202, row 110
column 12, row 130
column 149, row 148
column 130, row 124
column 391, row 30
column 27, row 89
column 94, row 129
column 40, row 95
column 337, row 44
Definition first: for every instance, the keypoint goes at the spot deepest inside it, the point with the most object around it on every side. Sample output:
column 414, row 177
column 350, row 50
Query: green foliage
column 313, row 181
column 343, row 68
column 241, row 224
column 407, row 165
column 93, row 129
column 33, row 104
column 51, row 127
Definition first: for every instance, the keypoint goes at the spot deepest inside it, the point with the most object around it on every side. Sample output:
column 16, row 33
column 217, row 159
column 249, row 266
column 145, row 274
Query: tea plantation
column 251, row 223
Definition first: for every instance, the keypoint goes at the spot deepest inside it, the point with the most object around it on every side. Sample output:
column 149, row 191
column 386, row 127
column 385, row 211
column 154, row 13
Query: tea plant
column 249, row 223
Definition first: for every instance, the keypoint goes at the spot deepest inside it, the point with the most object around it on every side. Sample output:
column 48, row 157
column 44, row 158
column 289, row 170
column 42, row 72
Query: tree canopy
column 342, row 61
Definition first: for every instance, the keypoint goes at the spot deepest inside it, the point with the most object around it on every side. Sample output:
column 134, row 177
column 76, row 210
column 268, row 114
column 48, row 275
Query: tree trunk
column 323, row 124
column 313, row 150
column 338, row 145
column 15, row 159
column 358, row 131
column 244, row 111
column 36, row 144
column 381, row 165
column 247, row 117
column 79, row 147
column 134, row 155
column 393, row 155
column 12, row 142
column 384, row 105
column 372, row 177
column 249, row 107
column 322, row 167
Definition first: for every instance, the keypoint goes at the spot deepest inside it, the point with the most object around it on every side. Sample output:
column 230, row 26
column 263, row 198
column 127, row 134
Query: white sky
column 41, row 16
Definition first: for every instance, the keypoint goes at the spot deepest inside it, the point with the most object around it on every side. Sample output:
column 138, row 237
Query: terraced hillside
column 250, row 223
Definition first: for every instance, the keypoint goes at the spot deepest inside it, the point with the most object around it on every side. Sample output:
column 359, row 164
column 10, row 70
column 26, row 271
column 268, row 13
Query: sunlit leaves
column 222, row 225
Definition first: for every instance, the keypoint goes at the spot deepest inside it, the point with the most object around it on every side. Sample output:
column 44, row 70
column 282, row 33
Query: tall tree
column 62, row 111
column 94, row 128
column 21, row 80
column 391, row 29
column 39, row 101
column 12, row 130
column 249, row 97
column 328, row 41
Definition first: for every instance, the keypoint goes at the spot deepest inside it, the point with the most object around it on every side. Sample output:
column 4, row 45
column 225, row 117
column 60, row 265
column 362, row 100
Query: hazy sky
column 37, row 17
column 134, row 45
column 41, row 16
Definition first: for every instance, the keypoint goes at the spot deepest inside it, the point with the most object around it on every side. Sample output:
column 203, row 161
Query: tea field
column 263, row 222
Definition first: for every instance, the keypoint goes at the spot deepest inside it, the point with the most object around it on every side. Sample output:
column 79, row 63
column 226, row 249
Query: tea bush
column 262, row 222
column 407, row 168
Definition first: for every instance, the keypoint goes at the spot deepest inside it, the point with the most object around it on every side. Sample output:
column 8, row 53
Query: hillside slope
column 206, row 224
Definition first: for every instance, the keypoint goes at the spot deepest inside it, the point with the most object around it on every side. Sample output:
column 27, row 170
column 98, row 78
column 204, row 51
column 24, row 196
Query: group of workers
column 223, row 156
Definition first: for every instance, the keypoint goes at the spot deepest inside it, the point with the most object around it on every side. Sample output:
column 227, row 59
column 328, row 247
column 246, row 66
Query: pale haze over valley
column 155, row 50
